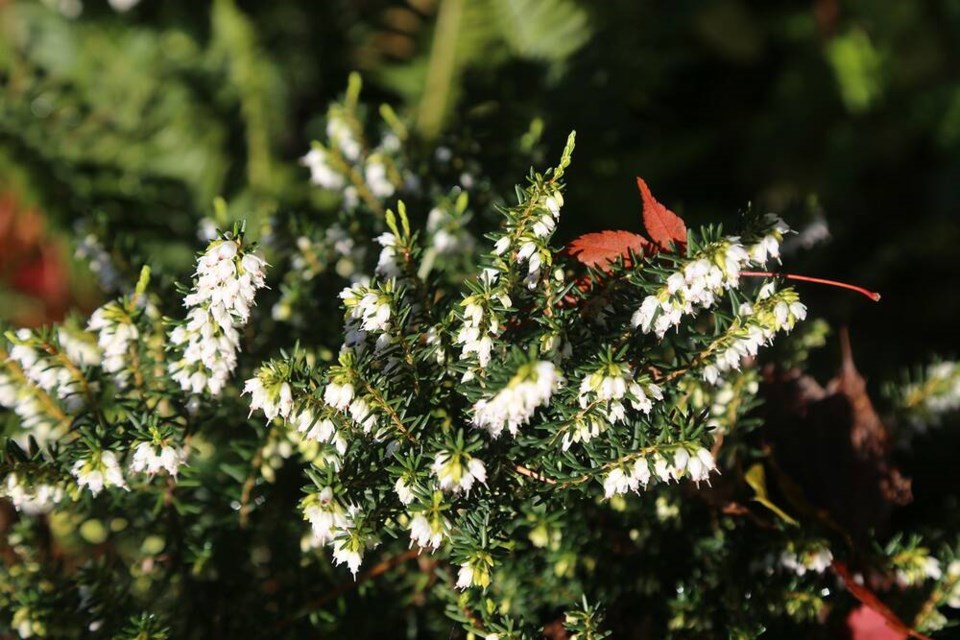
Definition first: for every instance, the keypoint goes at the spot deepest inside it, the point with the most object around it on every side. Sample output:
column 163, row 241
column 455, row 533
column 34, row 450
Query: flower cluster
column 515, row 404
column 346, row 165
column 457, row 472
column 369, row 308
column 333, row 524
column 39, row 363
column 528, row 236
column 273, row 397
column 428, row 530
column 31, row 499
column 755, row 327
column 475, row 572
column 698, row 284
column 446, row 227
column 482, row 320
column 101, row 469
column 767, row 246
column 151, row 458
column 227, row 281
column 914, row 566
column 937, row 394
column 601, row 397
column 815, row 558
column 116, row 334
column 697, row 464
column 35, row 417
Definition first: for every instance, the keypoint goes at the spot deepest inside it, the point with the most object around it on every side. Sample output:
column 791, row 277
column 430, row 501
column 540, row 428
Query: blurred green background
column 842, row 116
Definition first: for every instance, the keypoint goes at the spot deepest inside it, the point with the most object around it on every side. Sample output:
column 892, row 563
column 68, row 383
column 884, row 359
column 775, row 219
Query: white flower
column 465, row 576
column 617, row 482
column 387, row 263
column 99, row 472
column 79, row 349
column 425, row 534
column 338, row 396
column 276, row 400
column 376, row 177
column 404, row 492
column 219, row 303
column 457, row 472
column 501, row 245
column 361, row 413
column 345, row 552
column 515, row 404
column 700, row 465
column 115, row 335
column 342, row 137
column 816, row 558
column 31, row 500
column 327, row 517
column 147, row 459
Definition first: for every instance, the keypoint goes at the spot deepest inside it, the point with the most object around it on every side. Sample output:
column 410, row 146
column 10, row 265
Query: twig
column 522, row 470
column 348, row 585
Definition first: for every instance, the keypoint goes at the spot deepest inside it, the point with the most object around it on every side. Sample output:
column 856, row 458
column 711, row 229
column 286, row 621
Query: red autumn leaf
column 664, row 226
column 866, row 624
column 599, row 249
column 870, row 599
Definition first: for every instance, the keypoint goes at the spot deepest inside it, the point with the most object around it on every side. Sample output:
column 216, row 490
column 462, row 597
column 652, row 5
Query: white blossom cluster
column 602, row 395
column 816, row 558
column 528, row 237
column 457, row 472
column 696, row 464
column 516, row 403
column 223, row 293
column 151, row 458
column 343, row 164
column 448, row 235
column 702, row 280
column 698, row 284
column 937, row 395
column 429, row 530
column 341, row 397
column 116, row 334
column 916, row 566
column 332, row 524
column 31, row 499
column 315, row 429
column 274, row 399
column 100, row 470
column 43, row 369
column 481, row 321
column 768, row 246
column 387, row 266
column 369, row 307
column 35, row 419
column 952, row 574
column 755, row 327
column 79, row 346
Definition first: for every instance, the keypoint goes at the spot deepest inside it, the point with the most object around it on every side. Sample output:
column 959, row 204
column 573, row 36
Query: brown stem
column 248, row 488
column 348, row 585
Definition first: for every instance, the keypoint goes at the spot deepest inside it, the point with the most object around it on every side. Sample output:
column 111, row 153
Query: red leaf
column 870, row 599
column 599, row 249
column 866, row 624
column 663, row 226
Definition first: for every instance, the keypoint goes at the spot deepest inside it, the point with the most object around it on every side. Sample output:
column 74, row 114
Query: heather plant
column 433, row 412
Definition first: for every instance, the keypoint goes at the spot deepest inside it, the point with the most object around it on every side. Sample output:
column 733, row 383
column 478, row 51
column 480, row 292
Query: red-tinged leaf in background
column 866, row 624
column 869, row 599
column 663, row 226
column 604, row 247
